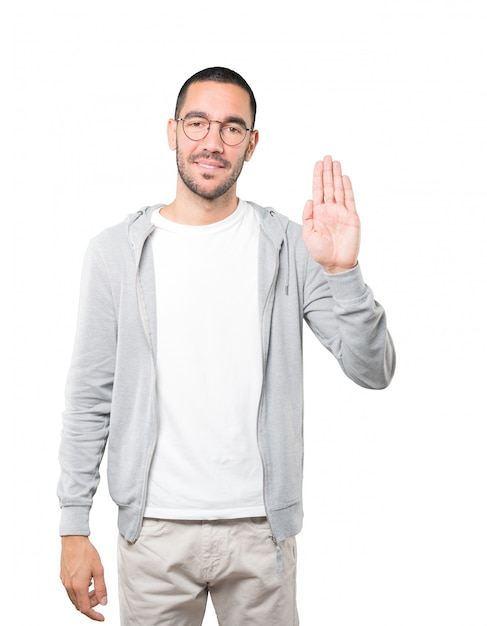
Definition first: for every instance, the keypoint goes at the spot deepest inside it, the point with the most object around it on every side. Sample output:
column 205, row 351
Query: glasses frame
column 210, row 122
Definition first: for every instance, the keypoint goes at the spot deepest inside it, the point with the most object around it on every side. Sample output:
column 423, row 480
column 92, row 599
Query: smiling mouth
column 209, row 166
column 210, row 162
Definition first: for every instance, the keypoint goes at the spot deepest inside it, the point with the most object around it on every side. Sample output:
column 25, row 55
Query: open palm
column 331, row 225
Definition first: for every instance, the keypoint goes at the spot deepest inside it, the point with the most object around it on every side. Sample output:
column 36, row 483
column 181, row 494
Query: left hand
column 331, row 225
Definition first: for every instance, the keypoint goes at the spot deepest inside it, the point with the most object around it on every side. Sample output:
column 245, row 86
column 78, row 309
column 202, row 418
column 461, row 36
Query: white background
column 395, row 480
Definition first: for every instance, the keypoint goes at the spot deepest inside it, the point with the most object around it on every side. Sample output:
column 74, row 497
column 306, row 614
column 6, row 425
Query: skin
column 80, row 568
column 331, row 225
column 206, row 192
column 206, row 189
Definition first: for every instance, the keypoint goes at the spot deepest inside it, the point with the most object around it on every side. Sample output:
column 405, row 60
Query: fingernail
column 103, row 601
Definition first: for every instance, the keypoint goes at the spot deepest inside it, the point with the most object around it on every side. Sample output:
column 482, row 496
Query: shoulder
column 127, row 234
column 277, row 223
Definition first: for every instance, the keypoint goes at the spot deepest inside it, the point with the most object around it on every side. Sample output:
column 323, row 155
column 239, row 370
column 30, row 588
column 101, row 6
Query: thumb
column 308, row 216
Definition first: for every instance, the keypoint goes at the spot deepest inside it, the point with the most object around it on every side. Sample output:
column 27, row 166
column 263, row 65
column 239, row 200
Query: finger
column 95, row 600
column 328, row 187
column 87, row 608
column 84, row 601
column 338, row 182
column 72, row 597
column 349, row 197
column 94, row 615
column 308, row 219
column 308, row 215
column 73, row 594
column 308, row 210
column 318, row 183
column 100, row 589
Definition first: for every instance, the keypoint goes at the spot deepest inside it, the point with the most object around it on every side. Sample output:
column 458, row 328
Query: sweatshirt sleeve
column 341, row 311
column 88, row 397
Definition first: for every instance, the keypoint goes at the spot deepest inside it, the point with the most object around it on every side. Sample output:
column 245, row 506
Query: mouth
column 209, row 163
column 209, row 166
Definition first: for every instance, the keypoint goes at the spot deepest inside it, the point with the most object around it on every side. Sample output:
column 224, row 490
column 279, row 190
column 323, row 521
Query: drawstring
column 286, row 246
column 286, row 251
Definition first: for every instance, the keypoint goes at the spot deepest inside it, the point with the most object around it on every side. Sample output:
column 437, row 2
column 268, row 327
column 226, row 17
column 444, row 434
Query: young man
column 189, row 355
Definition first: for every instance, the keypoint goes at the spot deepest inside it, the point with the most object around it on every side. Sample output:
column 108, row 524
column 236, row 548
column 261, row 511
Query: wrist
column 73, row 539
column 337, row 269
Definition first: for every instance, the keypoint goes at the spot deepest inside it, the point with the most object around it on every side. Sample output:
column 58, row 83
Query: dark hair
column 219, row 75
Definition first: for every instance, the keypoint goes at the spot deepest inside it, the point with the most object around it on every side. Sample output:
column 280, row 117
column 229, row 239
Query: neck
column 193, row 210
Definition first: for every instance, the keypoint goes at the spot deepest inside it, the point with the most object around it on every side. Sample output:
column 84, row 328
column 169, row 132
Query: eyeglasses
column 197, row 127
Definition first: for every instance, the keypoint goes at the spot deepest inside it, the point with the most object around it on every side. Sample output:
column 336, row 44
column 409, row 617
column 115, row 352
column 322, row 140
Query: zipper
column 264, row 365
column 145, row 325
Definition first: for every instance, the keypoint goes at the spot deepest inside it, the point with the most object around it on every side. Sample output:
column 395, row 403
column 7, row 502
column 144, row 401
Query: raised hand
column 331, row 225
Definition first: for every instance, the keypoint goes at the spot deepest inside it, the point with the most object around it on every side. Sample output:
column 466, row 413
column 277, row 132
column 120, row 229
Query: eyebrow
column 230, row 119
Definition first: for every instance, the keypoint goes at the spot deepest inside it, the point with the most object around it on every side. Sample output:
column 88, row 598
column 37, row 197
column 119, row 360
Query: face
column 209, row 167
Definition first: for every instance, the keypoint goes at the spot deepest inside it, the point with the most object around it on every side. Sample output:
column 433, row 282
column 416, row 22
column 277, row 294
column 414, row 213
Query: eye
column 196, row 123
column 233, row 130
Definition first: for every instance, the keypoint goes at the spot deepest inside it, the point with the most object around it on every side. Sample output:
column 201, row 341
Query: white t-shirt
column 207, row 463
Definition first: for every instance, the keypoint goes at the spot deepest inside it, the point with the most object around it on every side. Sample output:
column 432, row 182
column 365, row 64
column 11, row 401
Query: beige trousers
column 166, row 575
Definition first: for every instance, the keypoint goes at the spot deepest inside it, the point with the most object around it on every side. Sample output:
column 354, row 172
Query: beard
column 216, row 192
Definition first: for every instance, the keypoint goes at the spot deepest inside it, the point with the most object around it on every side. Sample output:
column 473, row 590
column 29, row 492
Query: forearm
column 354, row 327
column 80, row 455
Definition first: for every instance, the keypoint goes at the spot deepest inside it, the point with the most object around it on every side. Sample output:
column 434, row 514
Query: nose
column 213, row 141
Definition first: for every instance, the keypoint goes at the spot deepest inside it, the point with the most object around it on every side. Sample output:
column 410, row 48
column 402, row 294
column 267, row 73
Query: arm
column 85, row 430
column 339, row 307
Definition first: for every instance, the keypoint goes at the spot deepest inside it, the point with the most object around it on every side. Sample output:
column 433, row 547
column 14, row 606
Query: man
column 189, row 354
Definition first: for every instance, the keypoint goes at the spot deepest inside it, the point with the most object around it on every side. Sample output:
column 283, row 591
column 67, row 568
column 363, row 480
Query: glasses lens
column 196, row 127
column 233, row 134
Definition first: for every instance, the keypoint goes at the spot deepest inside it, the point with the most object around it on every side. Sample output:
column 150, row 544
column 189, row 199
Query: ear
column 254, row 140
column 172, row 126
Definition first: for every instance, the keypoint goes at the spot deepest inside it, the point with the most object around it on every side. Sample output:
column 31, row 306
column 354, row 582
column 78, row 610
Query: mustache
column 207, row 156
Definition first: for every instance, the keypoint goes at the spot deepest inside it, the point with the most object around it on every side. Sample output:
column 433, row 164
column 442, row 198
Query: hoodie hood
column 139, row 224
column 273, row 224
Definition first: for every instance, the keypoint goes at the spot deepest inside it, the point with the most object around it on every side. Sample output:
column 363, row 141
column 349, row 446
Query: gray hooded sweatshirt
column 111, row 387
